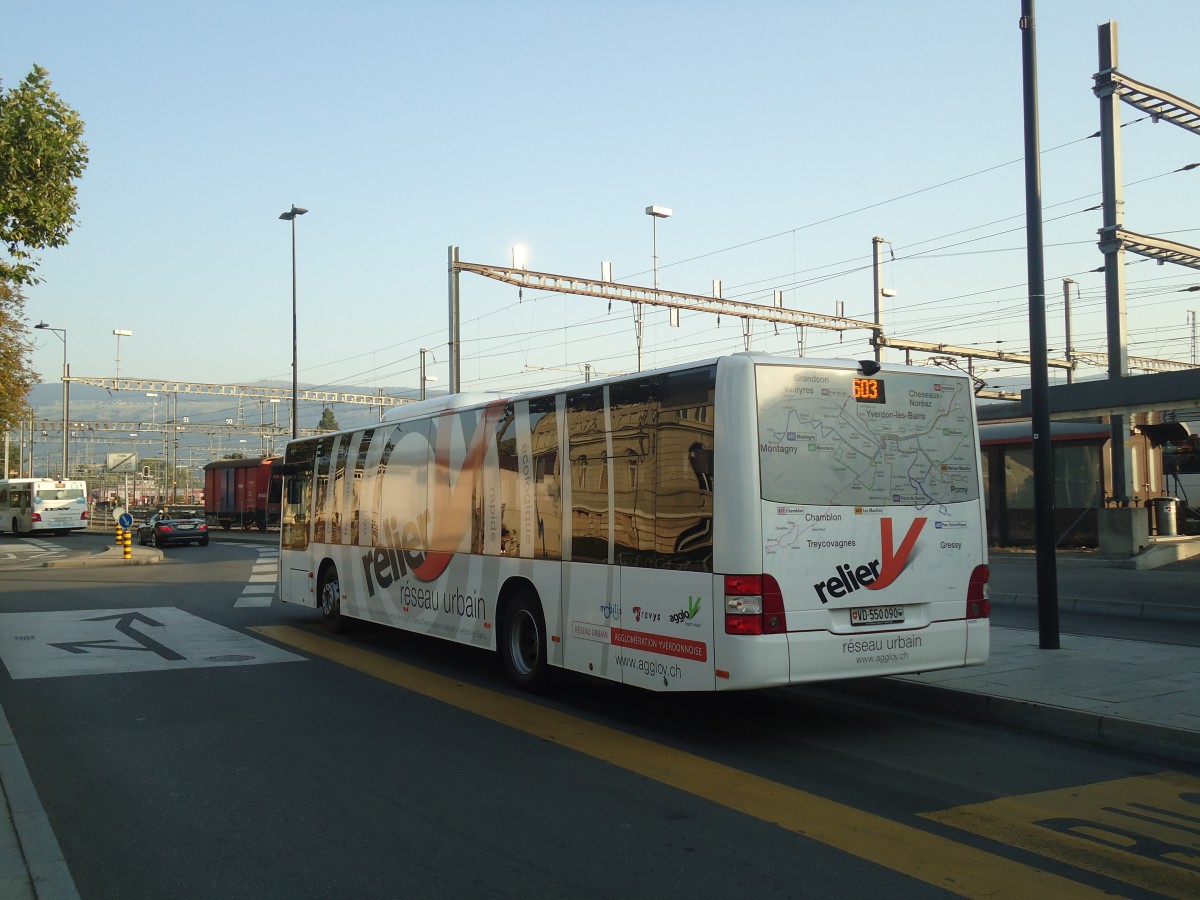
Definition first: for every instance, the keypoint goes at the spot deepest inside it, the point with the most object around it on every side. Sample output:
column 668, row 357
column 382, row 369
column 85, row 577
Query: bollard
column 120, row 536
column 128, row 543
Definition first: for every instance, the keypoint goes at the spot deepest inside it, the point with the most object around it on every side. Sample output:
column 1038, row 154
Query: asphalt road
column 189, row 741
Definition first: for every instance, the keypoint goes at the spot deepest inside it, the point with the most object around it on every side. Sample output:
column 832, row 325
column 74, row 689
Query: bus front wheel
column 523, row 643
column 329, row 597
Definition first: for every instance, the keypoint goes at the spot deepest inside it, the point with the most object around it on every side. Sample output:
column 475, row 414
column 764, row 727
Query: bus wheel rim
column 523, row 642
column 329, row 598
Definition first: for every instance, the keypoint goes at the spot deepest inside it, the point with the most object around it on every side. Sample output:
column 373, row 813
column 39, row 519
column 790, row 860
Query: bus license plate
column 876, row 615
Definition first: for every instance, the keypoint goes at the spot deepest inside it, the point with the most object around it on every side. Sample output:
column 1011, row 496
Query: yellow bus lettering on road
column 1144, row 831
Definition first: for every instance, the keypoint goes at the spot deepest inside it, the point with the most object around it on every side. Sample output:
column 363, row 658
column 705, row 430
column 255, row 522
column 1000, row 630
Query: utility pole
column 1113, row 206
column 1043, row 451
column 455, row 362
column 1191, row 314
column 1068, row 350
column 880, row 293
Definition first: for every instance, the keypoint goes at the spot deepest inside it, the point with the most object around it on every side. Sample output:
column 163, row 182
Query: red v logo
column 451, row 506
column 894, row 560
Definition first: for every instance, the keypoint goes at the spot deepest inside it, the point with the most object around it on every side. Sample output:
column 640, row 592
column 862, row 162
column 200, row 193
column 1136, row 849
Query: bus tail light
column 978, row 604
column 754, row 605
column 83, row 516
column 35, row 517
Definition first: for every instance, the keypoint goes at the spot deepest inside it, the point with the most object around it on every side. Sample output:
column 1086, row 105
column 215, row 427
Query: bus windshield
column 830, row 437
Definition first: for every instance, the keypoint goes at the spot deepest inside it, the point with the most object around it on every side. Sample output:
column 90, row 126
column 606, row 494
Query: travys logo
column 878, row 573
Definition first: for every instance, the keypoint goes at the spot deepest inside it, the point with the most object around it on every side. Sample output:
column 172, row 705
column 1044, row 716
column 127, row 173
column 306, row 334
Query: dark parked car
column 162, row 530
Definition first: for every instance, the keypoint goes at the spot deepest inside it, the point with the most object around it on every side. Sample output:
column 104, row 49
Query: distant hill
column 99, row 405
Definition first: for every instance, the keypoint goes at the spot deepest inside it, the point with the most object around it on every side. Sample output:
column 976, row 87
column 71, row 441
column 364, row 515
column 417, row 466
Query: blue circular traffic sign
column 125, row 521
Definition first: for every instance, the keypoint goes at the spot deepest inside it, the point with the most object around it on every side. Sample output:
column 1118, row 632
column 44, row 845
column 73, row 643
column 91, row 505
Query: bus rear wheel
column 329, row 599
column 523, row 643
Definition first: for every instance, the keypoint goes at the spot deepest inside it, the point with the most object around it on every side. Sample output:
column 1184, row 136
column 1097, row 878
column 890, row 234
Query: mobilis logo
column 874, row 575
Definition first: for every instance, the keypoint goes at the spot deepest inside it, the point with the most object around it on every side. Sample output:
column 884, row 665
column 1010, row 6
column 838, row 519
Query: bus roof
column 466, row 400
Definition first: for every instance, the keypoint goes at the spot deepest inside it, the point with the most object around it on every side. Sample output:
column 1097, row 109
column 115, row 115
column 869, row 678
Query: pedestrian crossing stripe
column 260, row 591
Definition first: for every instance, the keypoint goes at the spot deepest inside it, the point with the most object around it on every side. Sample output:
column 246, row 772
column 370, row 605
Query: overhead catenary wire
column 535, row 340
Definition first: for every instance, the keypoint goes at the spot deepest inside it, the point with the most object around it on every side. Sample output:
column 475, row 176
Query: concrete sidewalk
column 1130, row 695
column 1091, row 585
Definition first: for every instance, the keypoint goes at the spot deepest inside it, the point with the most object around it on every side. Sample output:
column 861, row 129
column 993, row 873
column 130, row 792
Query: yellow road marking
column 928, row 857
column 1144, row 831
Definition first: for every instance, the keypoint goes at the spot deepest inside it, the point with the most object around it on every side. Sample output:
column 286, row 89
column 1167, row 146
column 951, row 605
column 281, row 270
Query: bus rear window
column 61, row 493
column 826, row 440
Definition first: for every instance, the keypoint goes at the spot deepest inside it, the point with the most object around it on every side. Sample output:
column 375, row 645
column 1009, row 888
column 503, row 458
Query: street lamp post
column 66, row 380
column 655, row 213
column 120, row 333
column 290, row 216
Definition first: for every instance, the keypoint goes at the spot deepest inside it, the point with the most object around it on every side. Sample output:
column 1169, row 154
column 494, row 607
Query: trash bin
column 1164, row 516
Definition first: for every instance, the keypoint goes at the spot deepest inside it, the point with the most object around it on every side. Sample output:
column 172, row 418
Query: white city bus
column 43, row 504
column 743, row 522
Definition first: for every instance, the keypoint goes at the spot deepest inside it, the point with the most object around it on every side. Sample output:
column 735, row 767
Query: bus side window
column 547, row 498
column 295, row 491
column 701, row 459
column 586, row 439
column 683, row 517
column 294, row 516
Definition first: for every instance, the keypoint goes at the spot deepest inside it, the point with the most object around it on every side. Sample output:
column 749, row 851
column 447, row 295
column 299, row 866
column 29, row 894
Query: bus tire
column 329, row 599
column 523, row 643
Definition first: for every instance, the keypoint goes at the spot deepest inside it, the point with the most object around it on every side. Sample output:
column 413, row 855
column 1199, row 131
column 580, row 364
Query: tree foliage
column 42, row 154
column 16, row 374
column 328, row 421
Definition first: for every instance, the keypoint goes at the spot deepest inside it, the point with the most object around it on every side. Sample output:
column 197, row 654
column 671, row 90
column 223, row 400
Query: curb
column 1174, row 744
column 107, row 557
column 1127, row 609
column 42, row 860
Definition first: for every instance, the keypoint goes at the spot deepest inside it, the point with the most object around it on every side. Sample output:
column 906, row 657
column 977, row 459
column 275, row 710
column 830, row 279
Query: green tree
column 16, row 375
column 328, row 422
column 42, row 154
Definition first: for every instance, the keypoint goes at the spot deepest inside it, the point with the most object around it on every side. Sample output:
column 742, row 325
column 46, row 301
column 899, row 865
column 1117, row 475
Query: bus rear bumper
column 813, row 656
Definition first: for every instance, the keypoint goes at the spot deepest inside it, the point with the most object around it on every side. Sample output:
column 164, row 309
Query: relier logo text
column 876, row 574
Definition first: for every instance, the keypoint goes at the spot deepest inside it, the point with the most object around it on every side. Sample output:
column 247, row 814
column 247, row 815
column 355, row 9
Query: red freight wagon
column 243, row 492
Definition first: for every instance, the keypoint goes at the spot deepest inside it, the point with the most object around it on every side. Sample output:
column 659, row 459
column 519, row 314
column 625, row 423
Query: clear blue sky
column 784, row 135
